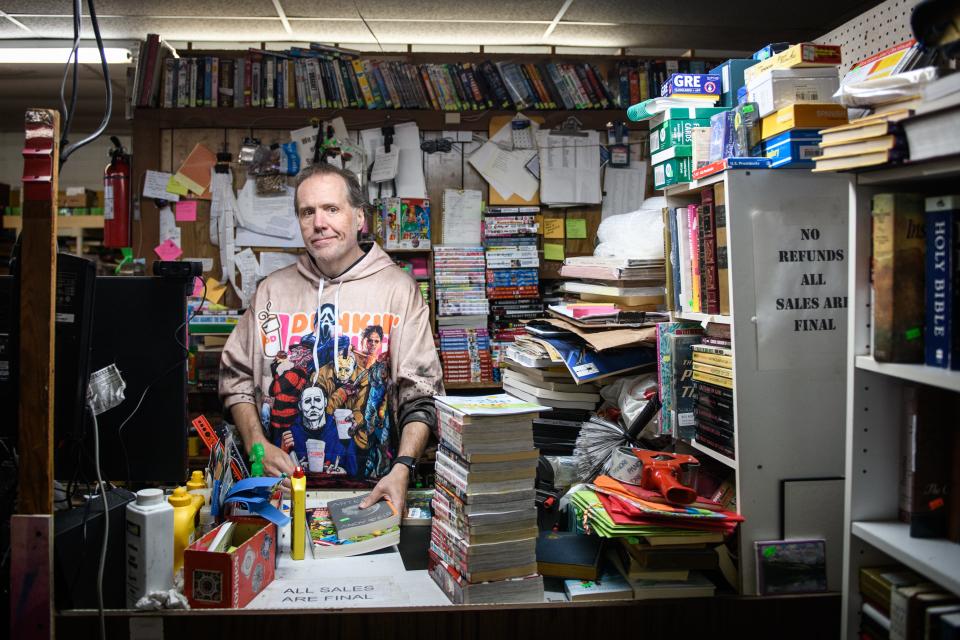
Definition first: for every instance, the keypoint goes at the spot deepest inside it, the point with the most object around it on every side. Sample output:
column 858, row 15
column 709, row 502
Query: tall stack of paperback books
column 483, row 542
column 713, row 394
column 513, row 274
column 462, row 309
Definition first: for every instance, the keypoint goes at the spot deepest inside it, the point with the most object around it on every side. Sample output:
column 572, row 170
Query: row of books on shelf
column 695, row 241
column 695, row 380
column 916, row 279
column 899, row 603
column 316, row 78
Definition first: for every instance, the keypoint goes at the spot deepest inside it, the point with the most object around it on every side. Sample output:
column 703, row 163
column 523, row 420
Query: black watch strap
column 407, row 461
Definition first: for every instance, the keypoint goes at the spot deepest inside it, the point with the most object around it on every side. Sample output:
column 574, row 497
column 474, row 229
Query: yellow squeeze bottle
column 298, row 514
column 185, row 508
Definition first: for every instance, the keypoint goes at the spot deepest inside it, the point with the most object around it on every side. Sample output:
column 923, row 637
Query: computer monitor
column 139, row 324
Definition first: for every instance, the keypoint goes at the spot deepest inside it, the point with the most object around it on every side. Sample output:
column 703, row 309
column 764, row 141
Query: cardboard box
column 770, row 50
column 78, row 197
column 792, row 149
column 673, row 132
column 673, row 171
column 686, row 113
column 805, row 54
column 231, row 580
column 803, row 116
column 676, row 151
column 731, row 79
column 778, row 88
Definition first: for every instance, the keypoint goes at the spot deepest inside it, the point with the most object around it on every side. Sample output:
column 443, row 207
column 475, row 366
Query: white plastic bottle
column 149, row 545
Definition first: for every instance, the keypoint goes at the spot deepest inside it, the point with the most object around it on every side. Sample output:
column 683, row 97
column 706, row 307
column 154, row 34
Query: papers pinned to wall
column 623, row 189
column 410, row 182
column 569, row 168
column 462, row 215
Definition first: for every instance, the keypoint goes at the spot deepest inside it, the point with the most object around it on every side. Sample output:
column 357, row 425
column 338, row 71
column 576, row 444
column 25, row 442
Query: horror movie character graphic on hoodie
column 335, row 366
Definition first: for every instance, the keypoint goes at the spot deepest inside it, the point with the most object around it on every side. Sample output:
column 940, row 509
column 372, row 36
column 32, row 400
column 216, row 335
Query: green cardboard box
column 673, row 171
column 674, row 132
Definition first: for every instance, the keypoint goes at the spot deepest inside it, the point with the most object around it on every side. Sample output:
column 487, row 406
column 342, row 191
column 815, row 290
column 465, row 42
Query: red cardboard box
column 231, row 580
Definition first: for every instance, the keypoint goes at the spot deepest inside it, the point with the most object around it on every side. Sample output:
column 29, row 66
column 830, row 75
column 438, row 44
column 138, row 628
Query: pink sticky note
column 197, row 288
column 186, row 211
column 168, row 250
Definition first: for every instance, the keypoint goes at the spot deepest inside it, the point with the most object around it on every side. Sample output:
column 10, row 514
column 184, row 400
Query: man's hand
column 392, row 486
column 275, row 461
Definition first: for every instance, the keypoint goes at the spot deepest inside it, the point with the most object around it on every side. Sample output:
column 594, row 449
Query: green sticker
column 748, row 108
column 344, row 519
column 127, row 253
column 912, row 334
column 769, row 551
column 633, row 540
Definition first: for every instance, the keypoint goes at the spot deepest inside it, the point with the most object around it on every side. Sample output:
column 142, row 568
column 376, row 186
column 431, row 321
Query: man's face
column 328, row 223
column 312, row 406
column 371, row 344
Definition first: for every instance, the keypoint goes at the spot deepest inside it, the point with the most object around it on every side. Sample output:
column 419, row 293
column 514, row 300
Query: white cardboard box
column 778, row 88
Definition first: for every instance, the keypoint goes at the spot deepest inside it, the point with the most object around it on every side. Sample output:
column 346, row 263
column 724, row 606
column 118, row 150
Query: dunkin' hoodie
column 335, row 366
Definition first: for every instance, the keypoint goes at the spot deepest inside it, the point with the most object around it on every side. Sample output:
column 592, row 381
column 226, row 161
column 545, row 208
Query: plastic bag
column 638, row 234
column 877, row 91
column 626, row 399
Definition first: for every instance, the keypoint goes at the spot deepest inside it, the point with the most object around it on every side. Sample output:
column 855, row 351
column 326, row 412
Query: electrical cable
column 65, row 153
column 74, row 56
column 356, row 5
column 106, row 524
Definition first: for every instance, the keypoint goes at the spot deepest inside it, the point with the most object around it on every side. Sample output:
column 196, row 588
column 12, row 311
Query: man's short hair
column 355, row 194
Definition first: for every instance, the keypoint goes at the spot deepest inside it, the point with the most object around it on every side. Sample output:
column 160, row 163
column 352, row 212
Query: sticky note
column 174, row 186
column 186, row 211
column 197, row 287
column 553, row 228
column 576, row 227
column 552, row 251
column 215, row 290
column 168, row 250
column 539, row 220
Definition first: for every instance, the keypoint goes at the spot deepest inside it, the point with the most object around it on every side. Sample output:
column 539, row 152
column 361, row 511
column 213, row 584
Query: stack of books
column 459, row 278
column 899, row 603
column 695, row 239
column 865, row 142
column 713, row 393
column 629, row 283
column 559, row 391
column 465, row 354
column 483, row 541
column 513, row 275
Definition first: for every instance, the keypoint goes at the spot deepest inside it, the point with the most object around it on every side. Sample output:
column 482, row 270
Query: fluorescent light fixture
column 60, row 55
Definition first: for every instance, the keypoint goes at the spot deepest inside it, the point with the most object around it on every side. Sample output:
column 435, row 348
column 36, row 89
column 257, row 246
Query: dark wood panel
column 38, row 282
column 784, row 617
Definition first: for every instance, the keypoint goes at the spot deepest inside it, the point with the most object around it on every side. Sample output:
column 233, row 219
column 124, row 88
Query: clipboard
column 495, row 199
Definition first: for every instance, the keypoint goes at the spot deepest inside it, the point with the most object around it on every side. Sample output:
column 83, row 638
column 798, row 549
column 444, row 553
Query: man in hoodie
column 329, row 300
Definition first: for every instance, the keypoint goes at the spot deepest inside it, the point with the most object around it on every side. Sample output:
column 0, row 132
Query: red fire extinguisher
column 116, row 198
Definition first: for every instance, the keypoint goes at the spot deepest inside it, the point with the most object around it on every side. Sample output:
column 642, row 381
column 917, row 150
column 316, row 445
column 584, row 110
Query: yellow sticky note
column 552, row 251
column 576, row 228
column 553, row 228
column 174, row 186
column 539, row 220
column 215, row 290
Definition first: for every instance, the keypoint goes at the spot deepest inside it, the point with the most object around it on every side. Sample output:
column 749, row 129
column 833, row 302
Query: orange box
column 231, row 580
column 803, row 116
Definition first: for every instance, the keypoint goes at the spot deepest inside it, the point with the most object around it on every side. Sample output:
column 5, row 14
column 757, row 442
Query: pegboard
column 882, row 27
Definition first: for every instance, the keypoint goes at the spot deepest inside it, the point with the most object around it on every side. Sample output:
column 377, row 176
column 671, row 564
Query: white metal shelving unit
column 873, row 535
column 789, row 422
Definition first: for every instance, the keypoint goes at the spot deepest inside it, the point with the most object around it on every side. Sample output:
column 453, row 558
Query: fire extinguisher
column 116, row 198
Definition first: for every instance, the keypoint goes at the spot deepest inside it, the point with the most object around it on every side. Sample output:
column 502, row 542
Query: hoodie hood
column 375, row 261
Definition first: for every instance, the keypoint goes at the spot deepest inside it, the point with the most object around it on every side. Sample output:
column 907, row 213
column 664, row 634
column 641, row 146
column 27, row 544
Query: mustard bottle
column 298, row 506
column 185, row 508
column 196, row 482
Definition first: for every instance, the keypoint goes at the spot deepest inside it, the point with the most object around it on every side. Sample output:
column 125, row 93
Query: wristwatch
column 408, row 461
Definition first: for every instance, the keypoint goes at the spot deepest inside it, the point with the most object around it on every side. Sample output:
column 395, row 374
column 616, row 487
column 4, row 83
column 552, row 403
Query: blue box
column 771, row 50
column 731, row 79
column 701, row 84
column 792, row 149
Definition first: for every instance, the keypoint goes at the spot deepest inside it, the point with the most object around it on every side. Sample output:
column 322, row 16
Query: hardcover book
column 898, row 277
column 351, row 521
column 942, row 336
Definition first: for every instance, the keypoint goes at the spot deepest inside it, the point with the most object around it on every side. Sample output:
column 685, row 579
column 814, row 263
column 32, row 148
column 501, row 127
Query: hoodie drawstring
column 316, row 330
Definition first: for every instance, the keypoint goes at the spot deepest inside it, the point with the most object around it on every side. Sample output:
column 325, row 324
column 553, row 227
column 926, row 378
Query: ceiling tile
column 508, row 10
column 657, row 36
column 147, row 8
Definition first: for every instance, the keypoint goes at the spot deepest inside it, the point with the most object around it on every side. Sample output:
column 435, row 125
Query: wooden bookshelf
column 274, row 118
